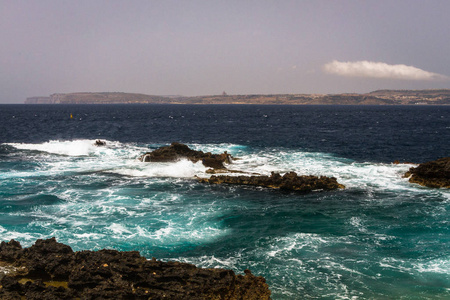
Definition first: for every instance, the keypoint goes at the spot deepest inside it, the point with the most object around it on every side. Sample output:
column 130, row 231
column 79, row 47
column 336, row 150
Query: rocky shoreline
column 433, row 174
column 52, row 270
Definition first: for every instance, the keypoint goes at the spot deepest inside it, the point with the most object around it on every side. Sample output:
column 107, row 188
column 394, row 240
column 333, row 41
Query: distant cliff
column 381, row 97
column 106, row 98
column 38, row 100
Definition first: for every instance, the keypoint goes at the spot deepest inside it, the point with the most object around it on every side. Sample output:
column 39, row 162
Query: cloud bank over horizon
column 380, row 70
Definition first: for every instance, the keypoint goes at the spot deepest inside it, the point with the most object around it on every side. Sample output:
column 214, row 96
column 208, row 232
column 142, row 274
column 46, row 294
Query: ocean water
column 380, row 238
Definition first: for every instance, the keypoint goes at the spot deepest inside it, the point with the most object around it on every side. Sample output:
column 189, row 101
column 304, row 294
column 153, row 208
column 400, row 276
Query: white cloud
column 379, row 70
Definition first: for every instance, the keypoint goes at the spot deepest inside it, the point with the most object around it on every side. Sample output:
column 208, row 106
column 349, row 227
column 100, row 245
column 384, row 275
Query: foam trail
column 69, row 148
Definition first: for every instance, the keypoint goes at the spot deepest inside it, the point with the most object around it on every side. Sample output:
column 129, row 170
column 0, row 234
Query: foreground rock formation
column 178, row 151
column 434, row 174
column 289, row 181
column 51, row 270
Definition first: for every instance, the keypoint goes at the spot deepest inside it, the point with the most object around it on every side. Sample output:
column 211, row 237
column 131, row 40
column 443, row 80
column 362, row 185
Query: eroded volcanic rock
column 51, row 270
column 177, row 151
column 289, row 181
column 434, row 174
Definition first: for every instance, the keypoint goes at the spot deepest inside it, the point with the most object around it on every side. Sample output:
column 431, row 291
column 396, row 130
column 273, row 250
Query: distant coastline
column 380, row 97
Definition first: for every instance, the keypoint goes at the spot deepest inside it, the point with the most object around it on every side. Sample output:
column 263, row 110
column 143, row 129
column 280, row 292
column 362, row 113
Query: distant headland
column 380, row 97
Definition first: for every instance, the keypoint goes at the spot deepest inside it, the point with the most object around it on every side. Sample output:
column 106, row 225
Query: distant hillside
column 415, row 96
column 380, row 97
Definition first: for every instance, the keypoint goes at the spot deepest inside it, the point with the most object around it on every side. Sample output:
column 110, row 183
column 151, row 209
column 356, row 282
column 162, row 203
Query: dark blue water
column 381, row 237
column 372, row 133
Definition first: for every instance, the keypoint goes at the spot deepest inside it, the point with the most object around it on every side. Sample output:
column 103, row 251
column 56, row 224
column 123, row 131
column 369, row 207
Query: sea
column 379, row 238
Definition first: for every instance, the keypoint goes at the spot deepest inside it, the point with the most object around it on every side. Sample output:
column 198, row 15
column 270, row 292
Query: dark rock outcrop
column 178, row 151
column 51, row 270
column 100, row 143
column 434, row 174
column 289, row 181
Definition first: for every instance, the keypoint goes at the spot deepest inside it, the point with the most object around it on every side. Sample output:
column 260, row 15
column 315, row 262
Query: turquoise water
column 380, row 238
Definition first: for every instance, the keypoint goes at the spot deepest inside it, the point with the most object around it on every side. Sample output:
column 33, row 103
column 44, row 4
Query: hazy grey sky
column 206, row 47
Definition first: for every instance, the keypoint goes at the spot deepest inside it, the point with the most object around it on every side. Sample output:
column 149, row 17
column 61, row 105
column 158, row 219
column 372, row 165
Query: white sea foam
column 82, row 148
column 172, row 234
column 7, row 235
column 212, row 261
column 180, row 169
column 283, row 246
column 232, row 149
column 118, row 229
column 121, row 159
column 358, row 223
column 403, row 266
column 368, row 176
column 89, row 236
column 439, row 265
column 70, row 148
column 176, row 232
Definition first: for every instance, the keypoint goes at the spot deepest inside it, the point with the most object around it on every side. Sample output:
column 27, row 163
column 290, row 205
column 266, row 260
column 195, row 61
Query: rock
column 434, row 174
column 100, row 143
column 48, row 259
column 171, row 153
column 178, row 151
column 213, row 162
column 10, row 251
column 289, row 181
column 54, row 271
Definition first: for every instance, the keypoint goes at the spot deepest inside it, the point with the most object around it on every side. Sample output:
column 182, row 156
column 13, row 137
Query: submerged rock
column 177, row 151
column 51, row 270
column 289, row 181
column 434, row 174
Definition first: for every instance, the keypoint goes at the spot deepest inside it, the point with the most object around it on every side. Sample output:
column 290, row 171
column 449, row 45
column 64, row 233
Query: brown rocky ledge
column 434, row 174
column 51, row 270
column 289, row 181
column 177, row 151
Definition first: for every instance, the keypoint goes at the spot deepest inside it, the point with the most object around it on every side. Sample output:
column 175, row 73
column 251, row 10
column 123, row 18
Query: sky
column 206, row 47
